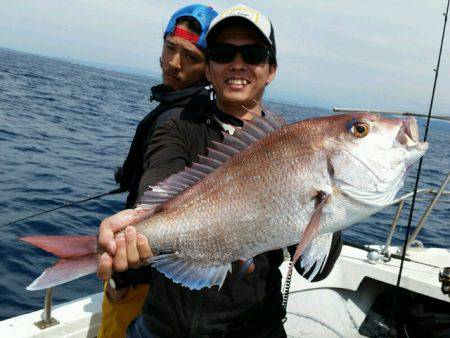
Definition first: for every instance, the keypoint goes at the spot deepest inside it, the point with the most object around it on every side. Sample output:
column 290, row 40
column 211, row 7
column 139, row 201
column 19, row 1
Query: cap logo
column 245, row 12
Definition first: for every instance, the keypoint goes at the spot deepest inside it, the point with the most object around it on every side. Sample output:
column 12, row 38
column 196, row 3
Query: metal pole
column 427, row 212
column 48, row 306
column 389, row 112
column 48, row 321
column 393, row 227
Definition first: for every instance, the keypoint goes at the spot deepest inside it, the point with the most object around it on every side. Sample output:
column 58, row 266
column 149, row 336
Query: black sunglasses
column 225, row 53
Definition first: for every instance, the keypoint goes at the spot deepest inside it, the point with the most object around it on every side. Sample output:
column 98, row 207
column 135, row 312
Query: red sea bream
column 267, row 186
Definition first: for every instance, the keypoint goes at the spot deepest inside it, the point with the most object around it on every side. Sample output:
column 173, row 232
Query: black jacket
column 250, row 307
column 171, row 105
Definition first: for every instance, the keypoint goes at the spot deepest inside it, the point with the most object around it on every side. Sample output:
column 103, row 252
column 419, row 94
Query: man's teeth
column 242, row 82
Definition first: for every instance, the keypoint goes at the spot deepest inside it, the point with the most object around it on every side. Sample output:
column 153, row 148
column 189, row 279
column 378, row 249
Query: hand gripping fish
column 268, row 186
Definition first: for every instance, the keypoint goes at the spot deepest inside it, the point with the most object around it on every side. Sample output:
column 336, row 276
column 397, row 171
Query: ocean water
column 65, row 127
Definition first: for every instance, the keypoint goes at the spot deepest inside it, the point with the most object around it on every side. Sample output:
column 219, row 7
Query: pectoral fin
column 313, row 226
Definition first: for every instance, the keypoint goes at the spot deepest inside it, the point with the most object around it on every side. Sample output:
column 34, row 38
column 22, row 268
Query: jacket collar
column 226, row 118
column 160, row 94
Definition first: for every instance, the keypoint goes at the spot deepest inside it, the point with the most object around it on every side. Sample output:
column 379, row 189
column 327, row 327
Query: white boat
column 334, row 307
column 342, row 304
column 353, row 301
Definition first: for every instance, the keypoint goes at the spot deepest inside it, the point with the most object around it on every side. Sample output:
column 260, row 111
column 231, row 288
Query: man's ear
column 272, row 72
column 207, row 72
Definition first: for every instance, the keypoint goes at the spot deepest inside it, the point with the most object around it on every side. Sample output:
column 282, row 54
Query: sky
column 377, row 54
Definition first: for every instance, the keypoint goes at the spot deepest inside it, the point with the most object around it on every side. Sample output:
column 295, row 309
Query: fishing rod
column 411, row 210
column 66, row 205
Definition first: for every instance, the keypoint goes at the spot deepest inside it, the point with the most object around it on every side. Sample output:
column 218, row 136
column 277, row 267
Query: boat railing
column 400, row 202
column 47, row 321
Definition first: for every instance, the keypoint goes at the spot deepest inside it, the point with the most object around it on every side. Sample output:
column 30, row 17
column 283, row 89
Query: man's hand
column 132, row 251
column 127, row 249
column 108, row 227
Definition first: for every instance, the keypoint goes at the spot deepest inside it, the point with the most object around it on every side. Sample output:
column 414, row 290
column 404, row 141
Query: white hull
column 334, row 307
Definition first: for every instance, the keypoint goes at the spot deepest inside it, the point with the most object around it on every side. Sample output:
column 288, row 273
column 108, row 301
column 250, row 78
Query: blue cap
column 203, row 14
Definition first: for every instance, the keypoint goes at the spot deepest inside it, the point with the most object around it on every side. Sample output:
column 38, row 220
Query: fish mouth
column 408, row 135
column 411, row 129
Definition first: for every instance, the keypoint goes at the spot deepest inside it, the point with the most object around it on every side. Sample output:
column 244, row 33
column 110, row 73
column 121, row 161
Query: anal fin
column 190, row 274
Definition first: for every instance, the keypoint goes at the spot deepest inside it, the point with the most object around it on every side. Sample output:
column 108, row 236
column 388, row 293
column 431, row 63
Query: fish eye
column 360, row 129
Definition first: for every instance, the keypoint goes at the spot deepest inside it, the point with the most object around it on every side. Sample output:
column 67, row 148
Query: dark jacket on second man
column 172, row 104
column 250, row 307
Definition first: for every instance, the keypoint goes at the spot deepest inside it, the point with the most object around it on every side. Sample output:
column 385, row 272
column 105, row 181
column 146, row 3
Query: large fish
column 267, row 186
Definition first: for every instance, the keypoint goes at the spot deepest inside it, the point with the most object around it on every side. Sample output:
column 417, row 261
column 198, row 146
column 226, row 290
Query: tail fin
column 78, row 255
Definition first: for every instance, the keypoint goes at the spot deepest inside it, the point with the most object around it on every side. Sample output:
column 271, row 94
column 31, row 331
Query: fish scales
column 241, row 209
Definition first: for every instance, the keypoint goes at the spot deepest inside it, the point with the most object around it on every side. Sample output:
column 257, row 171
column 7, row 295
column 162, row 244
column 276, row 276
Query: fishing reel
column 444, row 278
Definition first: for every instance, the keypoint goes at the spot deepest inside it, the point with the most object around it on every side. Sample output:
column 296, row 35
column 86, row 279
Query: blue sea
column 64, row 127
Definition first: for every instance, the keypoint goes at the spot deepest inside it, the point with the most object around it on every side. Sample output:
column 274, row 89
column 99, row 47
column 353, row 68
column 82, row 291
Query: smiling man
column 240, row 63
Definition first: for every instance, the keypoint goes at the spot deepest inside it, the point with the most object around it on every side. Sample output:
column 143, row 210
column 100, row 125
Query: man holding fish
column 240, row 63
column 263, row 186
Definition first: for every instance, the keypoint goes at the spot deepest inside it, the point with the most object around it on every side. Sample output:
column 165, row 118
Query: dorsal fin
column 277, row 121
column 224, row 148
column 209, row 161
column 251, row 131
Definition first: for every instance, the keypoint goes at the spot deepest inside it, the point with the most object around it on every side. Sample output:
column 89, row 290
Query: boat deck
column 334, row 307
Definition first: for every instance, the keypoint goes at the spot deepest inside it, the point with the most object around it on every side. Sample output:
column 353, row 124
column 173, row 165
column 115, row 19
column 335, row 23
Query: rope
column 411, row 212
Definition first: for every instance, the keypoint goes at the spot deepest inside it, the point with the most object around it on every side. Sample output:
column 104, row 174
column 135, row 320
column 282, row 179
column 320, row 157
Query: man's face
column 182, row 62
column 237, row 83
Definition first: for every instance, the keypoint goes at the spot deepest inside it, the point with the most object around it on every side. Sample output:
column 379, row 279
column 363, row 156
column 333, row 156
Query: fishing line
column 66, row 205
column 411, row 210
